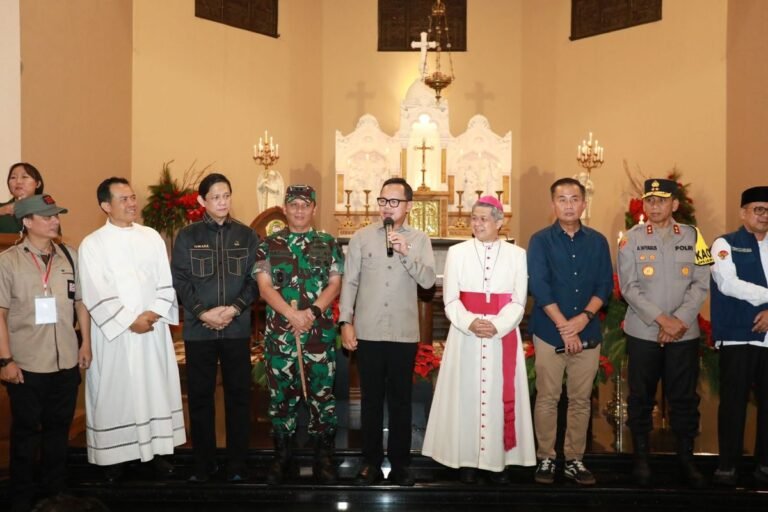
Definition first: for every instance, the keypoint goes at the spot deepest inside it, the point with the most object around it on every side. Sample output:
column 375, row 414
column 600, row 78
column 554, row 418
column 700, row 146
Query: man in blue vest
column 739, row 326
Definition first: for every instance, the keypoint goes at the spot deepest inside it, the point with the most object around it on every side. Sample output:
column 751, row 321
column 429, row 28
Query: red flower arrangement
column 427, row 363
column 171, row 206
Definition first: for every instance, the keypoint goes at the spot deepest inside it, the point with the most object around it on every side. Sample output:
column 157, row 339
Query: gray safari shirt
column 661, row 276
column 380, row 291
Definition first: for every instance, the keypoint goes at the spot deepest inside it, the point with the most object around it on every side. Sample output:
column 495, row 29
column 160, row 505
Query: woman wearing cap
column 481, row 413
column 24, row 180
column 40, row 360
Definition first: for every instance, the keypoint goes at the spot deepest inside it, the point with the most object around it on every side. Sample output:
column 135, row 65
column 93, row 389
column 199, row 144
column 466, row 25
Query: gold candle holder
column 348, row 222
column 367, row 219
column 479, row 193
column 460, row 207
column 590, row 155
column 498, row 194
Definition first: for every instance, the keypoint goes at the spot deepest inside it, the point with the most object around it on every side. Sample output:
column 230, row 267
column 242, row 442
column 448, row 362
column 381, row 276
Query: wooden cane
column 295, row 305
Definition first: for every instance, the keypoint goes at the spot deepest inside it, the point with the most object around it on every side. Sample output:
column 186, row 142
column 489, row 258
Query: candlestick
column 460, row 206
column 348, row 221
column 590, row 155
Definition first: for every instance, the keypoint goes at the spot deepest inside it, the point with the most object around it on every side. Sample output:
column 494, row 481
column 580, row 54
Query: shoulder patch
column 722, row 254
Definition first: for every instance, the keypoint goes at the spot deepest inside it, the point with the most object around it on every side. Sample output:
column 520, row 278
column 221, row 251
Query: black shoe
column 498, row 477
column 545, row 472
column 468, row 476
column 113, row 473
column 576, row 470
column 162, row 468
column 369, row 475
column 237, row 478
column 201, row 476
column 761, row 475
column 402, row 477
column 725, row 477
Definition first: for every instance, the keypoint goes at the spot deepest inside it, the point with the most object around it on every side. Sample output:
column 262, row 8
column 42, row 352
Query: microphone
column 585, row 344
column 388, row 225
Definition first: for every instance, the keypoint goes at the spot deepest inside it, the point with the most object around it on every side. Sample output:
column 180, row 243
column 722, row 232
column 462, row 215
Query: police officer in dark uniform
column 664, row 278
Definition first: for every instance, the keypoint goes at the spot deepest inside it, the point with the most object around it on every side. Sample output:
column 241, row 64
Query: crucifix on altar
column 423, row 148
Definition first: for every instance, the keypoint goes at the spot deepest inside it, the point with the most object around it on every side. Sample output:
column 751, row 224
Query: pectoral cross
column 423, row 148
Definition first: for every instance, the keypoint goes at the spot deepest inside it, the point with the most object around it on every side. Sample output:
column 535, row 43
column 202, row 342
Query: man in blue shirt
column 570, row 278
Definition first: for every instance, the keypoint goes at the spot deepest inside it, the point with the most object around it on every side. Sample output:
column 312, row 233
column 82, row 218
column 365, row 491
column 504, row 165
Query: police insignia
column 622, row 243
column 722, row 255
column 685, row 271
column 676, row 229
column 648, row 270
column 652, row 257
column 649, row 229
column 642, row 257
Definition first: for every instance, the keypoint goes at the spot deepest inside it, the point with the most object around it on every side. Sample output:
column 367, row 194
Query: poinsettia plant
column 170, row 205
column 427, row 364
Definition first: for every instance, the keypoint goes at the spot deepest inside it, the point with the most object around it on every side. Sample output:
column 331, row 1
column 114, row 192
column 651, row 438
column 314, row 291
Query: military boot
column 688, row 469
column 282, row 458
column 323, row 468
column 641, row 469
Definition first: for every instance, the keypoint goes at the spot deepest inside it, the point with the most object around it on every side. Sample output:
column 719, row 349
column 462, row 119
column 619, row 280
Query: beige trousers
column 580, row 370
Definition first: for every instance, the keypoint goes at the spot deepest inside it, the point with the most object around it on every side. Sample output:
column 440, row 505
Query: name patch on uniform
column 201, row 246
column 648, row 270
column 646, row 248
column 741, row 249
column 683, row 247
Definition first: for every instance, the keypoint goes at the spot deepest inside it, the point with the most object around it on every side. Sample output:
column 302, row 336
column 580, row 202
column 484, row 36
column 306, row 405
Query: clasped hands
column 569, row 330
column 483, row 328
column 301, row 321
column 144, row 322
column 219, row 317
column 671, row 328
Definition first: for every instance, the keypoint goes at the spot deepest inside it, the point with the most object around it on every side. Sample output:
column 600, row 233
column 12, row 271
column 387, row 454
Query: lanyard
column 44, row 276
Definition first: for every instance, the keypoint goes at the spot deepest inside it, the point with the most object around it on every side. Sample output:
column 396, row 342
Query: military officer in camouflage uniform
column 664, row 277
column 299, row 271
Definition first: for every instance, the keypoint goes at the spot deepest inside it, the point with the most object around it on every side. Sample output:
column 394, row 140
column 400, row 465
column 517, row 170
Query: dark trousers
column 202, row 359
column 677, row 365
column 41, row 409
column 386, row 368
column 741, row 367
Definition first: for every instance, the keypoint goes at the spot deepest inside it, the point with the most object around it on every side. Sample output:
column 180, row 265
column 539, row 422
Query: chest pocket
column 201, row 262
column 283, row 265
column 319, row 256
column 236, row 261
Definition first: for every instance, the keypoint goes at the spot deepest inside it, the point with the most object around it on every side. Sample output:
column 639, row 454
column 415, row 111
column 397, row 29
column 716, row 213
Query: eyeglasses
column 394, row 203
column 759, row 210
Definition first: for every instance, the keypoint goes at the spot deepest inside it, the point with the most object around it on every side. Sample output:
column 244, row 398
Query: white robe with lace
column 466, row 422
column 133, row 394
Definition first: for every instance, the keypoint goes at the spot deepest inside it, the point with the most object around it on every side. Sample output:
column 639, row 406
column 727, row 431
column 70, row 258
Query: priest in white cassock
column 133, row 395
column 481, row 413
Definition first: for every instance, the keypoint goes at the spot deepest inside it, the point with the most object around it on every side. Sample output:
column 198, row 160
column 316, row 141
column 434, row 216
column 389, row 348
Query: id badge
column 45, row 310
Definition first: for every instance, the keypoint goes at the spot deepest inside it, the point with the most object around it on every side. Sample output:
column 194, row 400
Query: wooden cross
column 423, row 45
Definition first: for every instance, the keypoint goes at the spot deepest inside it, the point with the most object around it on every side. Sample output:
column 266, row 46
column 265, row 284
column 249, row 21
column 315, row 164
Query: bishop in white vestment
column 471, row 409
column 133, row 394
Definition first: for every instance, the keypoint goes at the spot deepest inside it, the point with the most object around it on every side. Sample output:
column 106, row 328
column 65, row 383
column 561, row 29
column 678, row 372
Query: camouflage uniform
column 300, row 265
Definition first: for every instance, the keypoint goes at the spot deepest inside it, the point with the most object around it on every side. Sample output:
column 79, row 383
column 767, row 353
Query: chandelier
column 440, row 34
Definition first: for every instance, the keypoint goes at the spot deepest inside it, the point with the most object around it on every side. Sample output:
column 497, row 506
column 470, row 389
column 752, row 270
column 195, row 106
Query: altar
column 448, row 173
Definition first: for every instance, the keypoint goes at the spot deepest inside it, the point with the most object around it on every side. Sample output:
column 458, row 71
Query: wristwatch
column 589, row 314
column 341, row 324
column 316, row 311
column 5, row 361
